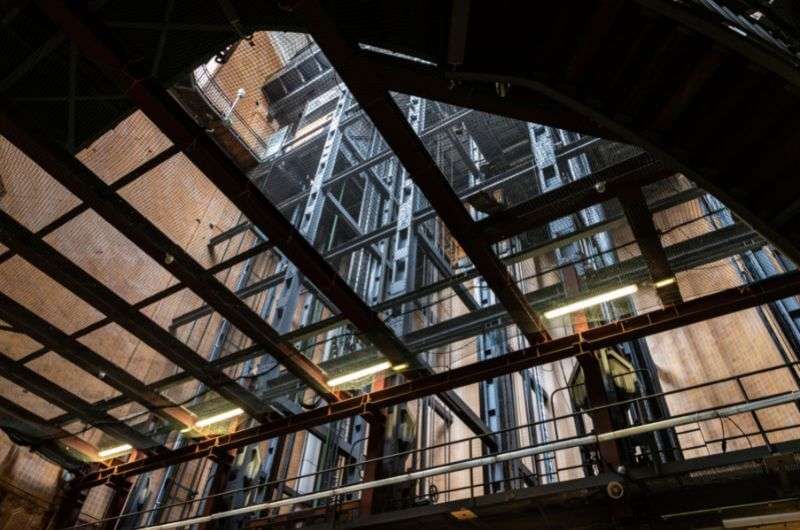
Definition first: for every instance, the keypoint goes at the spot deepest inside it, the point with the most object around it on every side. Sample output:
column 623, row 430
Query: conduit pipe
column 590, row 439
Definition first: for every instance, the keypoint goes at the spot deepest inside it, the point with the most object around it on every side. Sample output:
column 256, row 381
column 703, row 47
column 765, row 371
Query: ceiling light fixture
column 222, row 416
column 358, row 374
column 115, row 451
column 591, row 301
column 664, row 282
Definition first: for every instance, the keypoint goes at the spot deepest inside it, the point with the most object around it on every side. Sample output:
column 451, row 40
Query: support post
column 116, row 504
column 593, row 379
column 69, row 509
column 219, row 482
column 375, row 442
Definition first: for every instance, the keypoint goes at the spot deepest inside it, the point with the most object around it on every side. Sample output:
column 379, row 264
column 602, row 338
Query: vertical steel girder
column 84, row 184
column 84, row 357
column 636, row 327
column 66, row 400
column 407, row 146
column 649, row 241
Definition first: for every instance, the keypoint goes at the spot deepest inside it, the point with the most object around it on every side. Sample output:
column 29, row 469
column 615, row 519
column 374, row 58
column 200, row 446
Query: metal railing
column 471, row 448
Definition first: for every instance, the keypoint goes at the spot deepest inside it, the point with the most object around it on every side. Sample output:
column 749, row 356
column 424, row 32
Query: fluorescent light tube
column 591, row 301
column 664, row 282
column 358, row 374
column 106, row 453
column 222, row 416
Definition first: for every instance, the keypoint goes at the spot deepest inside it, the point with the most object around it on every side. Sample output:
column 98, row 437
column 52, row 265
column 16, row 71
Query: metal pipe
column 590, row 439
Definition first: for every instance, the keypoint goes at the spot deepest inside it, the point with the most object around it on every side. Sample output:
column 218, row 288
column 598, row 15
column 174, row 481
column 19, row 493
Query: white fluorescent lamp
column 591, row 301
column 400, row 367
column 664, row 282
column 358, row 374
column 114, row 451
column 222, row 416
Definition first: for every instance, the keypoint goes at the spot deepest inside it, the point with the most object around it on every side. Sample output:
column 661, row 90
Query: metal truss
column 400, row 135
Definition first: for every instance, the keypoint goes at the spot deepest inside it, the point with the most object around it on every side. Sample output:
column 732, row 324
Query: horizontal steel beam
column 636, row 327
column 160, row 295
column 118, row 184
column 597, row 187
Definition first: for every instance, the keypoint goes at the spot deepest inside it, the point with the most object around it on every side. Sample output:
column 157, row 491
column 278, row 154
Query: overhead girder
column 27, row 428
column 26, row 321
column 648, row 240
column 683, row 314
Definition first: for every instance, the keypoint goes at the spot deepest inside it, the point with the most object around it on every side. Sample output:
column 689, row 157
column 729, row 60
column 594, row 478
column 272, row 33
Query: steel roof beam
column 25, row 427
column 648, row 238
column 637, row 171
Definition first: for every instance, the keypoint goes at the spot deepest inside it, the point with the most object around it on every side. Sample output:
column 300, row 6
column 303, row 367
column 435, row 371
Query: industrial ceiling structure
column 416, row 193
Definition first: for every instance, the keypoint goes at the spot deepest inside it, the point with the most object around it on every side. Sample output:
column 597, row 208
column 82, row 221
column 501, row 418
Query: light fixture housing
column 115, row 451
column 222, row 416
column 216, row 418
column 358, row 374
column 591, row 301
column 664, row 282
